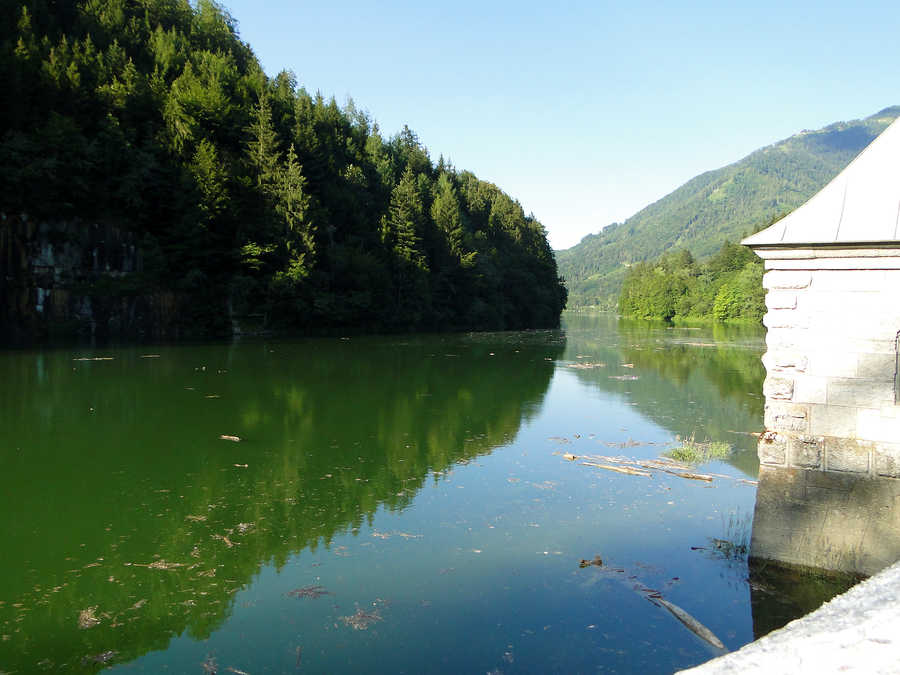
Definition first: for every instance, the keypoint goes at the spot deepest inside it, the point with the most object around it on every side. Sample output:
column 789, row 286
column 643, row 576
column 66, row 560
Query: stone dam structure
column 829, row 492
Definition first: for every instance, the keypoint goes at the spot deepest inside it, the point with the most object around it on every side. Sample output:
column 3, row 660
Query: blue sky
column 587, row 111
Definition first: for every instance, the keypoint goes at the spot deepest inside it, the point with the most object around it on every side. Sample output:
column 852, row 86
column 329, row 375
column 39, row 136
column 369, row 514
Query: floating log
column 619, row 469
column 689, row 475
column 695, row 626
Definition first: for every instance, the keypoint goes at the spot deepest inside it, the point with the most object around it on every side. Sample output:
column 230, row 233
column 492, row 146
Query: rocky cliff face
column 67, row 279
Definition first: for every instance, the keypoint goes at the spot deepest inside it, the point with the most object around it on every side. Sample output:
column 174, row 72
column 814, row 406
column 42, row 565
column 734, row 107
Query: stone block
column 848, row 280
column 791, row 339
column 847, row 454
column 879, row 425
column 786, row 279
column 860, row 393
column 779, row 359
column 806, row 452
column 778, row 387
column 786, row 417
column 876, row 366
column 810, row 389
column 785, row 318
column 772, row 449
column 832, row 420
column 886, row 344
column 833, row 362
column 886, row 459
column 781, row 300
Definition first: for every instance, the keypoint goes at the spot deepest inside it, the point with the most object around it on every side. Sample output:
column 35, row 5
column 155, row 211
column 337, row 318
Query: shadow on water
column 128, row 519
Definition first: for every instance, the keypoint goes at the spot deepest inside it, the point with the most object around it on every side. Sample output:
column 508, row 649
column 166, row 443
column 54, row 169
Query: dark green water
column 416, row 485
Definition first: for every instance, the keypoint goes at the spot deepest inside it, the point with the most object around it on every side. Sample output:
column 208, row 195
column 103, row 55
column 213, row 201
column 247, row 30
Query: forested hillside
column 244, row 195
column 716, row 207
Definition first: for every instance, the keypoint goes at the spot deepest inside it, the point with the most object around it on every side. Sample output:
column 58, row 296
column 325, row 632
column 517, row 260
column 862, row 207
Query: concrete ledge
column 857, row 632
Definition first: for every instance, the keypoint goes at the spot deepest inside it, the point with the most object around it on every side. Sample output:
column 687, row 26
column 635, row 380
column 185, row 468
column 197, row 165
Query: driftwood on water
column 695, row 626
column 656, row 598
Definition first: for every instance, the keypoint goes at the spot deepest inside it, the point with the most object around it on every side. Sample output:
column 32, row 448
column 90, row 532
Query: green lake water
column 394, row 504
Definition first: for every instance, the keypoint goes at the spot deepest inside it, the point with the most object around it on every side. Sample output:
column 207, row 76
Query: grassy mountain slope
column 716, row 206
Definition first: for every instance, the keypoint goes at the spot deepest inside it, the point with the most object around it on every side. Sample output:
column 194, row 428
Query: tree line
column 727, row 287
column 248, row 194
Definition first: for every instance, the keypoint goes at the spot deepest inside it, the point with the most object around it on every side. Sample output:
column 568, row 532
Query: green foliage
column 693, row 451
column 715, row 207
column 250, row 196
column 726, row 287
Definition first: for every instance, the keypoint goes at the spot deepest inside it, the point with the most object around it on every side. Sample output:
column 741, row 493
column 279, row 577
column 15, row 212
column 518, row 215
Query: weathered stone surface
column 780, row 359
column 860, row 393
column 781, row 300
column 790, row 340
column 886, row 460
column 806, row 452
column 834, row 362
column 876, row 366
column 846, row 454
column 778, row 387
column 824, row 519
column 772, row 449
column 785, row 318
column 832, row 420
column 861, row 280
column 786, row 417
column 784, row 279
column 810, row 389
column 879, row 425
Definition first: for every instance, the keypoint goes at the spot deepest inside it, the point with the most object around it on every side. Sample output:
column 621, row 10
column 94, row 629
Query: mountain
column 717, row 206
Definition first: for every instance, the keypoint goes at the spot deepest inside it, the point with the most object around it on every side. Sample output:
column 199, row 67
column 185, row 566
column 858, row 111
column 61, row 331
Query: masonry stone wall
column 831, row 362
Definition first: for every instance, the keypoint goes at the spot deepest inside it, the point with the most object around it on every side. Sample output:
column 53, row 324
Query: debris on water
column 596, row 561
column 299, row 655
column 243, row 528
column 87, row 618
column 226, row 437
column 695, row 626
column 361, row 619
column 195, row 519
column 160, row 564
column 308, row 592
column 242, row 466
column 222, row 537
column 656, row 598
column 149, row 356
column 102, row 657
column 619, row 469
column 209, row 665
column 230, row 669
column 569, row 456
column 624, row 378
column 139, row 604
column 96, row 358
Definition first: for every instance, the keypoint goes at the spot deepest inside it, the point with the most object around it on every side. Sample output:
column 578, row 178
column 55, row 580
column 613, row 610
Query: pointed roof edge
column 859, row 206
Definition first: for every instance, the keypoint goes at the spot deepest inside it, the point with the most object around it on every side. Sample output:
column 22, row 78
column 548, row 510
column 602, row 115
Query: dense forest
column 717, row 206
column 246, row 195
column 727, row 287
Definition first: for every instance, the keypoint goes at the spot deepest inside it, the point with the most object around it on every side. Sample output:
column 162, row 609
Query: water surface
column 394, row 504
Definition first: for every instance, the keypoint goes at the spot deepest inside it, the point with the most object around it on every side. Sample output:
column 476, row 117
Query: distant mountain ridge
column 716, row 206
